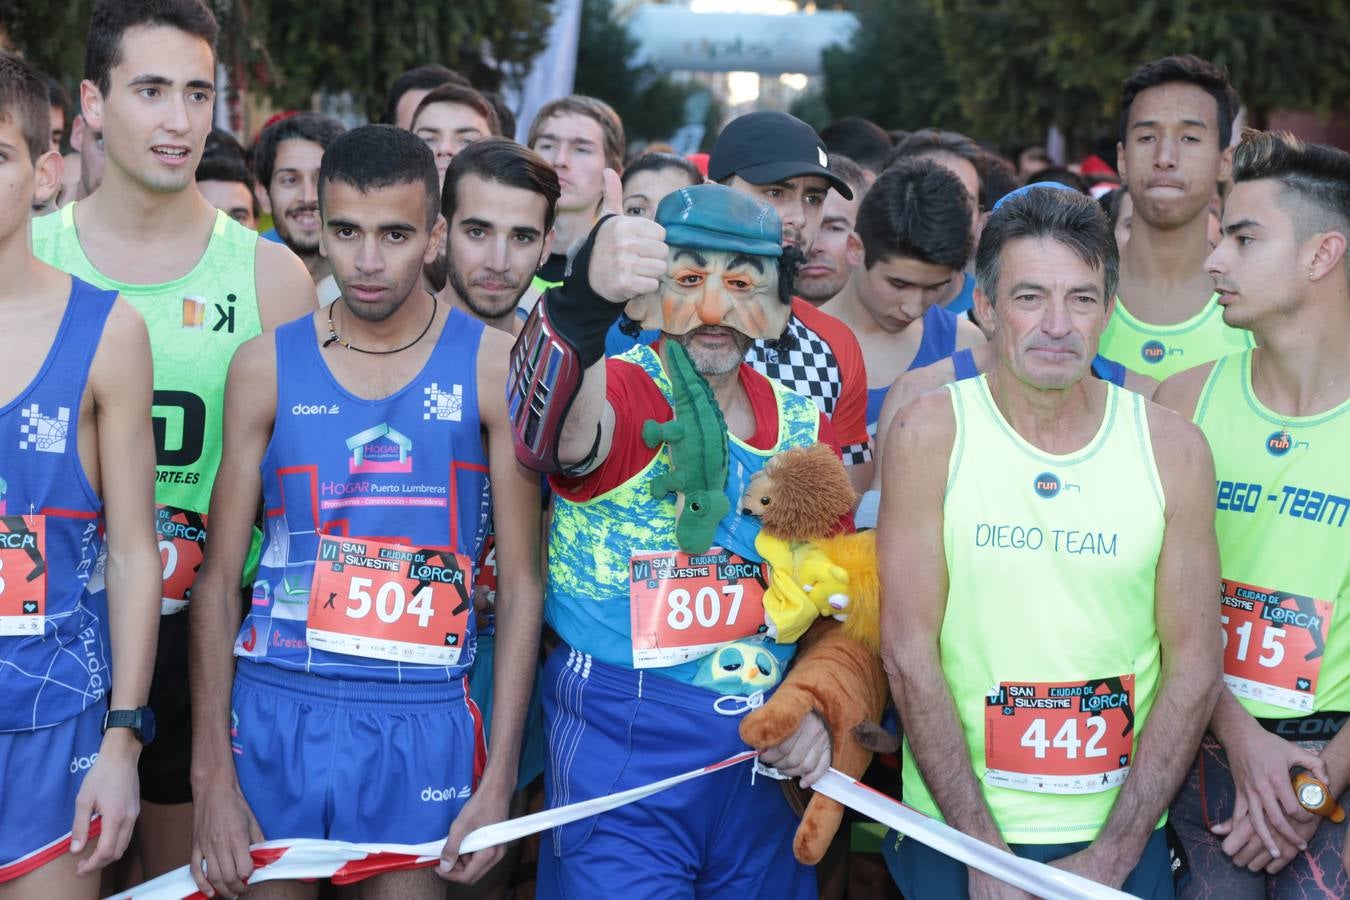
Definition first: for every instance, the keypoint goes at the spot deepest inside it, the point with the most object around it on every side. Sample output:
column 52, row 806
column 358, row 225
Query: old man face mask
column 722, row 266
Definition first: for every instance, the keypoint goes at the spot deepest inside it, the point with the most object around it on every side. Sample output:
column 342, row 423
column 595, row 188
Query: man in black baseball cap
column 780, row 160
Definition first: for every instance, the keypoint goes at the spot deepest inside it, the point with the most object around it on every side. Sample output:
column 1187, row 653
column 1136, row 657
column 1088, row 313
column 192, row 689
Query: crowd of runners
column 355, row 528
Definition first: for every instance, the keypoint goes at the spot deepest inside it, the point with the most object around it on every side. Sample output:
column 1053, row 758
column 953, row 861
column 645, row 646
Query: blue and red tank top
column 53, row 606
column 375, row 511
column 938, row 343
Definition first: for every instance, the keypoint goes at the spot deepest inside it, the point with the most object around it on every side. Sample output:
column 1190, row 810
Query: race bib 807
column 683, row 607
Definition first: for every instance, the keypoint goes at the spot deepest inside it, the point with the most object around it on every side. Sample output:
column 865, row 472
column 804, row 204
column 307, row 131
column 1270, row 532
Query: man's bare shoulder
column 917, row 382
column 125, row 326
column 1181, row 392
column 926, row 422
column 284, row 287
column 1179, row 446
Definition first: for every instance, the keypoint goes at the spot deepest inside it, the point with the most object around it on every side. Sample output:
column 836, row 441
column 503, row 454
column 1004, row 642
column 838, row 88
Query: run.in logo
column 1153, row 351
column 1047, row 485
column 1279, row 443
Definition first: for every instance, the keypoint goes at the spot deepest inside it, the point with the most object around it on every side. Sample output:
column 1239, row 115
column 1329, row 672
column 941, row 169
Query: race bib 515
column 1273, row 644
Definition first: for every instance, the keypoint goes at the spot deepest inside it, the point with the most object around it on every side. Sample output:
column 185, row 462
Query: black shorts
column 166, row 762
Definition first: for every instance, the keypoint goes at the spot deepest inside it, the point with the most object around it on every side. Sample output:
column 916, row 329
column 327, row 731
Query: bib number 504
column 705, row 606
column 390, row 601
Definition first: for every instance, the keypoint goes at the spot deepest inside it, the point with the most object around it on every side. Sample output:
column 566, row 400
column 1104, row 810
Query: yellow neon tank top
column 1159, row 351
column 1049, row 642
column 1284, row 546
column 195, row 324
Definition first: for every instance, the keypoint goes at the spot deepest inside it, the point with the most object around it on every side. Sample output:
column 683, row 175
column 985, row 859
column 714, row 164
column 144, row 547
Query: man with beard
column 499, row 203
column 836, row 250
column 286, row 160
column 633, row 689
column 1176, row 121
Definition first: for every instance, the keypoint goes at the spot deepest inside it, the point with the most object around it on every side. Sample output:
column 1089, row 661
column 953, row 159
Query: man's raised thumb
column 613, row 202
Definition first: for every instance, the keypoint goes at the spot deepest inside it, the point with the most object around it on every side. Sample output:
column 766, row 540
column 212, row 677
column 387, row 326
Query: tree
column 1053, row 66
column 291, row 50
column 895, row 71
column 1007, row 71
column 651, row 105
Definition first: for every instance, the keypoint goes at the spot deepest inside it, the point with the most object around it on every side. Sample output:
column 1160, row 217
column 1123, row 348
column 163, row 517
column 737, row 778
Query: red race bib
column 684, row 607
column 389, row 601
column 182, row 542
column 23, row 575
column 1273, row 644
column 1072, row 737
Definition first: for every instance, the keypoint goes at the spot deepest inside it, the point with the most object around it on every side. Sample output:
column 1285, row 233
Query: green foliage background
column 1005, row 71
column 289, row 49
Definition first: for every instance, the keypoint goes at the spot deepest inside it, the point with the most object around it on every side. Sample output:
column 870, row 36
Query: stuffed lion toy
column 820, row 573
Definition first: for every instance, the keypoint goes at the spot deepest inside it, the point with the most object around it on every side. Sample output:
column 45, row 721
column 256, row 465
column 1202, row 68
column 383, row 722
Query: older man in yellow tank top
column 1047, row 558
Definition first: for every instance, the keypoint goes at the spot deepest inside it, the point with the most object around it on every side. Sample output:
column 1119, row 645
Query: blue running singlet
column 379, row 507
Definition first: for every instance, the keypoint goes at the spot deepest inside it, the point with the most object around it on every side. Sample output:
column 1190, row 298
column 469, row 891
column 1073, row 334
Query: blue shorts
column 480, row 689
column 40, row 774
column 610, row 729
column 922, row 872
column 353, row 761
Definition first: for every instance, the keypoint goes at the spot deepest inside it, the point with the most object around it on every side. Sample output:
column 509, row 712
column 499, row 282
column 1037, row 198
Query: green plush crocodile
column 699, row 461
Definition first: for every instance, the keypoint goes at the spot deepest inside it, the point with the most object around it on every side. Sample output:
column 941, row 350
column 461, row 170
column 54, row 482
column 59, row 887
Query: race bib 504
column 1273, row 644
column 23, row 575
column 683, row 607
column 389, row 601
column 1060, row 737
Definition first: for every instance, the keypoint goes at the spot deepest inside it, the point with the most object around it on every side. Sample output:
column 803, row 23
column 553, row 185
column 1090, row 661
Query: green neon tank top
column 1049, row 642
column 195, row 324
column 1159, row 351
column 1284, row 546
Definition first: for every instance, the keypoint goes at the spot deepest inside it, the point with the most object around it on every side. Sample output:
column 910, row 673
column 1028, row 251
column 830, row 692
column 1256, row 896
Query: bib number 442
column 1066, row 738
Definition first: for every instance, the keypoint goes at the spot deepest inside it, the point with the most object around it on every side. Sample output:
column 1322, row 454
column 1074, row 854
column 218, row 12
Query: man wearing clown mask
column 646, row 683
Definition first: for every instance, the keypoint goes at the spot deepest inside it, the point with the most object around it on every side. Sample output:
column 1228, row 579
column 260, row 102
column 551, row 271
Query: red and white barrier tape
column 347, row 862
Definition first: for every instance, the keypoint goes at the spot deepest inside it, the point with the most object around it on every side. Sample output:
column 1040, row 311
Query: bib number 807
column 390, row 602
column 1066, row 738
column 705, row 606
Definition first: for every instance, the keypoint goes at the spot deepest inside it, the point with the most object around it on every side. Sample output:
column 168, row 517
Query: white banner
column 346, row 862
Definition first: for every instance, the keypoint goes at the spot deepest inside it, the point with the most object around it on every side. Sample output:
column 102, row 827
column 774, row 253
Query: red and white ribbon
column 347, row 862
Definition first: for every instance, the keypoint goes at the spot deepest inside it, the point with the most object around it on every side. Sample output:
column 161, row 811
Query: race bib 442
column 1273, row 644
column 1059, row 737
column 23, row 575
column 389, row 601
column 683, row 607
